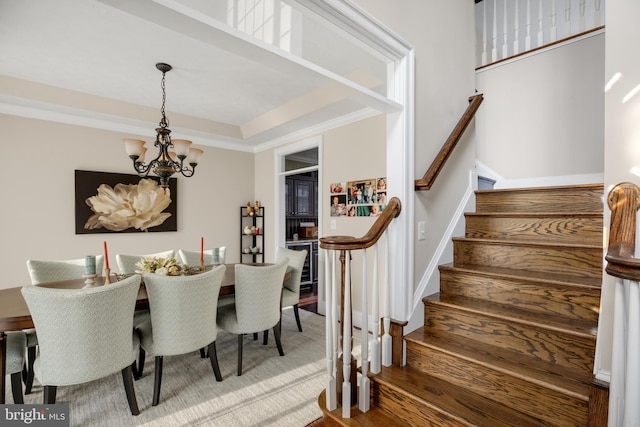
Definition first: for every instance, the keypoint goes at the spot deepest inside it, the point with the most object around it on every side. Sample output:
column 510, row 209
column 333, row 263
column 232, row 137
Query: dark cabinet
column 301, row 194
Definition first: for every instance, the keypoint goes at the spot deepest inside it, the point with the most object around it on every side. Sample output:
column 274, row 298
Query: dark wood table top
column 15, row 316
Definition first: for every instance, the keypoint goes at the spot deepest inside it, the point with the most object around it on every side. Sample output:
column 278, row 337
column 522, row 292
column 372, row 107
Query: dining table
column 15, row 316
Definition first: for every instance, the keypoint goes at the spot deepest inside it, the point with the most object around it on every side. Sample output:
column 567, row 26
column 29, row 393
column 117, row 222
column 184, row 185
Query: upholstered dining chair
column 258, row 294
column 16, row 343
column 291, row 290
column 183, row 319
column 211, row 256
column 51, row 271
column 84, row 334
column 127, row 263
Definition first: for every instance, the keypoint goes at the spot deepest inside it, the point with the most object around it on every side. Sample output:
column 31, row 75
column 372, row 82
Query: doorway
column 299, row 213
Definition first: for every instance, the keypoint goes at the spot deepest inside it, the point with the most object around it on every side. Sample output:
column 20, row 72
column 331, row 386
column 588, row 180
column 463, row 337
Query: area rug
column 272, row 391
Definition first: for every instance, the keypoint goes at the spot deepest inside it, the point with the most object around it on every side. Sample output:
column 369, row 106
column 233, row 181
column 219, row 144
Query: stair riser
column 411, row 411
column 569, row 200
column 570, row 351
column 540, row 402
column 576, row 262
column 571, row 302
column 585, row 230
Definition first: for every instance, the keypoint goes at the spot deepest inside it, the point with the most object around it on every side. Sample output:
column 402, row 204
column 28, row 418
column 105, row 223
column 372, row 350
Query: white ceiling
column 93, row 63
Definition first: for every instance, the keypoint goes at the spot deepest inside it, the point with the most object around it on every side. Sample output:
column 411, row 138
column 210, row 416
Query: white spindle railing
column 501, row 23
column 374, row 348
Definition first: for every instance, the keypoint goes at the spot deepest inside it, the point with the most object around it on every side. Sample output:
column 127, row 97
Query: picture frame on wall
column 108, row 202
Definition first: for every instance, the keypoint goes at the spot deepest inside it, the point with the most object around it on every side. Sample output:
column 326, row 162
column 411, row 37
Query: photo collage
column 367, row 197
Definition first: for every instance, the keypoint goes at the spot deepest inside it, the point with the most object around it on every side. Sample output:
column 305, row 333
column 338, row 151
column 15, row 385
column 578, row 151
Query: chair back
column 183, row 310
column 83, row 334
column 296, row 262
column 211, row 256
column 54, row 271
column 258, row 291
column 127, row 263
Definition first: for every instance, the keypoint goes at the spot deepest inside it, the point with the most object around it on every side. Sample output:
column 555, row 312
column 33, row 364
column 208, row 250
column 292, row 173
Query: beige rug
column 272, row 391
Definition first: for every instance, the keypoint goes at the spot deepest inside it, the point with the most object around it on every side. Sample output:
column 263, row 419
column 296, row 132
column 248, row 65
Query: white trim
column 550, row 181
column 400, row 135
column 445, row 248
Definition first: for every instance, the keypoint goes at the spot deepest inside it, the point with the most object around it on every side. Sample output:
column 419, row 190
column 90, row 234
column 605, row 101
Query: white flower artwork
column 124, row 206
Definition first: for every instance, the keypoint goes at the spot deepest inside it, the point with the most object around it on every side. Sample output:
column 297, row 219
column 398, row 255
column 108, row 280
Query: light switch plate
column 333, row 224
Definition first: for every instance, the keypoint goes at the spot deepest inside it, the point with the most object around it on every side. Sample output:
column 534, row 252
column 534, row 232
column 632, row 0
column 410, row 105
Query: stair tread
column 555, row 377
column 466, row 406
column 589, row 282
column 375, row 417
column 506, row 214
column 510, row 313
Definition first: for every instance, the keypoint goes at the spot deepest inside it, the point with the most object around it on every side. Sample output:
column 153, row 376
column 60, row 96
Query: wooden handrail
column 624, row 202
column 371, row 237
column 430, row 176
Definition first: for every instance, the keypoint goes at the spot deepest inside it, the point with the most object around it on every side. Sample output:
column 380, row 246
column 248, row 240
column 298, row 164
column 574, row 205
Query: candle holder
column 89, row 280
column 107, row 276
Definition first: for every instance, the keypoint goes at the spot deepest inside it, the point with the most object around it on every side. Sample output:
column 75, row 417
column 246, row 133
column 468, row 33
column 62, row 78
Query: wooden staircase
column 509, row 340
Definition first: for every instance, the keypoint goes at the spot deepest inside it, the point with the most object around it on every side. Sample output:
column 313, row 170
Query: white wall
column 542, row 113
column 622, row 136
column 443, row 35
column 37, row 217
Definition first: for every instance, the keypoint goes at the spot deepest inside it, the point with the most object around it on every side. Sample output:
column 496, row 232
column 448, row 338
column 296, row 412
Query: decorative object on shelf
column 164, row 165
column 89, row 280
column 161, row 266
column 252, row 233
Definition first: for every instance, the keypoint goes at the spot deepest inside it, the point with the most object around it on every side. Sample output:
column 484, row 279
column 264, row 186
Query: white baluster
column 484, row 33
column 494, row 48
column 505, row 44
column 375, row 315
column 516, row 31
column 346, row 341
column 330, row 342
column 597, row 16
column 554, row 27
column 583, row 22
column 363, row 398
column 567, row 18
column 540, row 21
column 386, row 338
column 527, row 39
column 335, row 304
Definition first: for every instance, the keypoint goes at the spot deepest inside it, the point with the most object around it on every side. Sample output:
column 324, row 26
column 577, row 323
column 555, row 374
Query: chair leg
column 240, row 336
column 127, row 378
column 295, row 311
column 213, row 356
column 203, row 352
column 16, row 388
column 137, row 373
column 255, row 336
column 158, row 381
column 276, row 332
column 265, row 339
column 31, row 357
column 49, row 395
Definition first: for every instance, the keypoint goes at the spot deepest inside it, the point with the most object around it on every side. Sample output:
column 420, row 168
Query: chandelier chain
column 163, row 121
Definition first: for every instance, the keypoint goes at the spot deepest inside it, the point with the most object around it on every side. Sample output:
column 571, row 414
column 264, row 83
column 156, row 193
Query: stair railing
column 624, row 388
column 438, row 163
column 341, row 365
column 512, row 28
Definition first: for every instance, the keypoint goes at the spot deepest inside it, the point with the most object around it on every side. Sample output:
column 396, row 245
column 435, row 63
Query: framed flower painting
column 123, row 203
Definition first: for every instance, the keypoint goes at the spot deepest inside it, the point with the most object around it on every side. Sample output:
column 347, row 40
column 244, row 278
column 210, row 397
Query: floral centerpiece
column 161, row 266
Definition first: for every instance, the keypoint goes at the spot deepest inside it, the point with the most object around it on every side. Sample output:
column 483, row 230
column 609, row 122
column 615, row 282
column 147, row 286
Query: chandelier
column 182, row 159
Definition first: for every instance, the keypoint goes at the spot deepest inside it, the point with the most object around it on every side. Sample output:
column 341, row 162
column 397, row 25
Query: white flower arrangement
column 160, row 266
